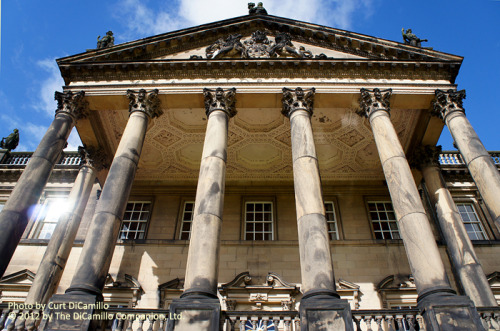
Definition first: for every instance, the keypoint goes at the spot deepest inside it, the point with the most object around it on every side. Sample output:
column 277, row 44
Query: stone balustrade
column 22, row 158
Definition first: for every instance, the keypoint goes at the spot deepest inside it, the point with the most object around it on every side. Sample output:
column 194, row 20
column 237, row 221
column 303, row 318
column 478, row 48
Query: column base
column 449, row 312
column 325, row 312
column 73, row 311
column 195, row 312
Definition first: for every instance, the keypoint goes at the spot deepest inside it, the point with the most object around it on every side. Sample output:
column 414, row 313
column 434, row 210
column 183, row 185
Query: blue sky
column 35, row 33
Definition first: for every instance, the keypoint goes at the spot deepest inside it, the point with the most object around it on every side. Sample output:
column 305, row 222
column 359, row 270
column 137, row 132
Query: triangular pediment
column 317, row 39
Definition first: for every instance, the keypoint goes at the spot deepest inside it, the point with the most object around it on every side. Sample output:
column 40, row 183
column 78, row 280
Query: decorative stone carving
column 11, row 141
column 73, row 104
column 447, row 102
column 283, row 47
column 260, row 10
column 373, row 100
column 107, row 41
column 93, row 157
column 426, row 155
column 297, row 99
column 411, row 39
column 220, row 99
column 258, row 46
column 230, row 47
column 288, row 304
column 147, row 102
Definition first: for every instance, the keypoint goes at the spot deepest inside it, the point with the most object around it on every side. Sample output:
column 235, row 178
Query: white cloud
column 142, row 19
column 53, row 82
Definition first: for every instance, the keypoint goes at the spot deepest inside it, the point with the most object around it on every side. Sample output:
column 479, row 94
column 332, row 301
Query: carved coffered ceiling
column 259, row 144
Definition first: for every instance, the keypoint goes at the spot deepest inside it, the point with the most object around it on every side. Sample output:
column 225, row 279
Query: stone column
column 463, row 258
column 54, row 260
column 14, row 216
column 433, row 286
column 203, row 256
column 448, row 105
column 320, row 304
column 95, row 259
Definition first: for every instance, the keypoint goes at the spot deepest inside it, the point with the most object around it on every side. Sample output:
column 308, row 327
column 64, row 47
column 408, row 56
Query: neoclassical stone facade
column 257, row 172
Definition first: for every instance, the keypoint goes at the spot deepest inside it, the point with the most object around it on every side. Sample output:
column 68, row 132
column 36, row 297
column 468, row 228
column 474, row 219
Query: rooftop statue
column 260, row 10
column 107, row 41
column 411, row 39
column 11, row 141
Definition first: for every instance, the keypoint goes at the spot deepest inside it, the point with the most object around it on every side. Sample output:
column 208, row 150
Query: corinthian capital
column 73, row 104
column 426, row 156
column 220, row 99
column 297, row 99
column 145, row 101
column 93, row 157
column 373, row 100
column 448, row 102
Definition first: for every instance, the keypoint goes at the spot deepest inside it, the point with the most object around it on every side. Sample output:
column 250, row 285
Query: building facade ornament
column 220, row 99
column 258, row 46
column 230, row 47
column 93, row 157
column 411, row 39
column 259, row 10
column 426, row 156
column 107, row 41
column 448, row 102
column 73, row 104
column 297, row 99
column 373, row 100
column 147, row 102
column 11, row 141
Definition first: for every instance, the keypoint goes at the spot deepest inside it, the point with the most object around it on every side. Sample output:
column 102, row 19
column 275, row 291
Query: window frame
column 147, row 222
column 370, row 220
column 336, row 211
column 479, row 214
column 37, row 223
column 272, row 201
column 182, row 210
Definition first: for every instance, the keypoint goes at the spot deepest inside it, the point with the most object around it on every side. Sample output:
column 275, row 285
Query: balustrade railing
column 261, row 320
column 22, row 158
column 455, row 158
column 388, row 320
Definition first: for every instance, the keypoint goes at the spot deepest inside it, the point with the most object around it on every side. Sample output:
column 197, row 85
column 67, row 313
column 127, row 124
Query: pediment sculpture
column 258, row 46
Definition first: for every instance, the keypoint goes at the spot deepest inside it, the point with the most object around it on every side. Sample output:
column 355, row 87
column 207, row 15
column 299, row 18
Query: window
column 259, row 221
column 135, row 220
column 383, row 219
column 48, row 213
column 187, row 220
column 331, row 220
column 471, row 221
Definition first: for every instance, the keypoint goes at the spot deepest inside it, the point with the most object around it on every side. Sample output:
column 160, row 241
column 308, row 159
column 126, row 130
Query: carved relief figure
column 284, row 47
column 11, row 141
column 229, row 47
column 107, row 41
column 411, row 39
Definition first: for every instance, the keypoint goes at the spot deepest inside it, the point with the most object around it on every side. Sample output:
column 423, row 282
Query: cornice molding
column 260, row 68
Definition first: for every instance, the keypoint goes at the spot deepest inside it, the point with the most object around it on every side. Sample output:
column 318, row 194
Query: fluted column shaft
column 448, row 105
column 14, row 216
column 95, row 259
column 421, row 248
column 203, row 256
column 314, row 244
column 56, row 255
column 462, row 255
